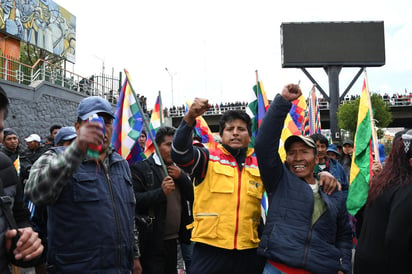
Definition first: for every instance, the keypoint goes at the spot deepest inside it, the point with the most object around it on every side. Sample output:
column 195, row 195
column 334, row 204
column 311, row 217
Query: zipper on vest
column 239, row 186
column 116, row 216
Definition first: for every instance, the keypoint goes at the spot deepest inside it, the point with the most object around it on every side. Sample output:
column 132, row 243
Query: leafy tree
column 380, row 133
column 29, row 54
column 348, row 114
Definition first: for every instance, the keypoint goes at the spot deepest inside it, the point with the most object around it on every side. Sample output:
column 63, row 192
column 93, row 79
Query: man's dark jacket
column 151, row 200
column 12, row 188
column 289, row 237
column 13, row 155
column 90, row 226
column 27, row 159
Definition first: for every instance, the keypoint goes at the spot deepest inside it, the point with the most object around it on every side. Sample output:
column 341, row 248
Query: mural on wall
column 42, row 23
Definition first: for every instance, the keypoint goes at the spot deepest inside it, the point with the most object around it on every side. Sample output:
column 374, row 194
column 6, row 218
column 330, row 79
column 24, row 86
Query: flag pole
column 374, row 135
column 257, row 83
column 312, row 111
column 161, row 110
column 146, row 124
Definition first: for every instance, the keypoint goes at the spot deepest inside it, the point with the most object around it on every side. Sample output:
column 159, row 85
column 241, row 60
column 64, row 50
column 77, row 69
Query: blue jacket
column 289, row 236
column 338, row 171
column 90, row 227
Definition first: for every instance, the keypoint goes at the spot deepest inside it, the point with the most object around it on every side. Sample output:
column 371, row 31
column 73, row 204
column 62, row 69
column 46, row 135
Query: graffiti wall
column 42, row 23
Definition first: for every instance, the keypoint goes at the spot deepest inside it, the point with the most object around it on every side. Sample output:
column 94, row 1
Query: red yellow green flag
column 362, row 158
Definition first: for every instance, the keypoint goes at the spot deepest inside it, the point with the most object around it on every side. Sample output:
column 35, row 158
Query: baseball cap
column 347, row 142
column 333, row 148
column 33, row 137
column 299, row 138
column 65, row 134
column 93, row 105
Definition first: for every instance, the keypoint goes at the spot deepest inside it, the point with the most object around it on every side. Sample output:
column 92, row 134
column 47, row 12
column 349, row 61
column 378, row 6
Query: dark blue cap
column 65, row 134
column 93, row 105
column 333, row 148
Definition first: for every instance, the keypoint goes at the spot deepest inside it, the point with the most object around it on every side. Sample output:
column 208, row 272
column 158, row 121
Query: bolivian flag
column 362, row 158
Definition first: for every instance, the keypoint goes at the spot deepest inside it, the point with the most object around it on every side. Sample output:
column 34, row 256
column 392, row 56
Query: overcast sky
column 212, row 48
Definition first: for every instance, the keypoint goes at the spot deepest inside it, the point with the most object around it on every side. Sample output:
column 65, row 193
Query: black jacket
column 11, row 187
column 151, row 200
column 27, row 159
column 385, row 243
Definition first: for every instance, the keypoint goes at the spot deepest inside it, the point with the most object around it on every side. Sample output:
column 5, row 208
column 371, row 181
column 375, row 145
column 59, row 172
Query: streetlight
column 171, row 83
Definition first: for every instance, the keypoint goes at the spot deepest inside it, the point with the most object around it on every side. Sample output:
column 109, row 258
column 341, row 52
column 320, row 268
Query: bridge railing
column 393, row 102
column 15, row 71
column 323, row 104
column 400, row 102
column 212, row 111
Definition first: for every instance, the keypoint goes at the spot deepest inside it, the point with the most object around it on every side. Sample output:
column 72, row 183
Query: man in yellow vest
column 228, row 193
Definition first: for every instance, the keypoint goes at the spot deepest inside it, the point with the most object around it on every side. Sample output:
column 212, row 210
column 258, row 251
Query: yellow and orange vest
column 227, row 204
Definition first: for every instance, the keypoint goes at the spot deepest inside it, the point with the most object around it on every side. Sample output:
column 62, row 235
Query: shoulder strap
column 5, row 204
column 149, row 183
column 148, row 175
column 1, row 188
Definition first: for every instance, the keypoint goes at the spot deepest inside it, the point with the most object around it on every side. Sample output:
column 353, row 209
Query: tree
column 29, row 54
column 348, row 114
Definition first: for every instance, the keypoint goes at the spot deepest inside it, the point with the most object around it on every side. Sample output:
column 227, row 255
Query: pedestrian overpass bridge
column 401, row 115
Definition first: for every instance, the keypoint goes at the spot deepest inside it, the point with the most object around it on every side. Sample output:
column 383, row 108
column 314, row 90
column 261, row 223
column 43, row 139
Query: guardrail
column 393, row 102
column 212, row 111
column 99, row 85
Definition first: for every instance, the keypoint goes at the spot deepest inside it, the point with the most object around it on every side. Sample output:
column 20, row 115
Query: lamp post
column 171, row 83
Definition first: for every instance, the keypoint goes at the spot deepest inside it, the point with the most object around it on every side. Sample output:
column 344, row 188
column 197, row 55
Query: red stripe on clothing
column 287, row 269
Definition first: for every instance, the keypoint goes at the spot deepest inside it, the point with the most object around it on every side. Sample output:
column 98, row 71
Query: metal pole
column 171, row 83
column 333, row 75
column 147, row 126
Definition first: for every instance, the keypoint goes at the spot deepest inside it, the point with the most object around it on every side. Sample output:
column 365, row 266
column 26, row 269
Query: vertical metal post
column 6, row 69
column 44, row 70
column 171, row 83
column 333, row 76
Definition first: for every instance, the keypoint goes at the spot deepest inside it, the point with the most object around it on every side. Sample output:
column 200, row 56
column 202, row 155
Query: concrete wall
column 35, row 109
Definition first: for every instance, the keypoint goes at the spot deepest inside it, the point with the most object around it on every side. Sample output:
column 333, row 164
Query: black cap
column 9, row 131
column 347, row 142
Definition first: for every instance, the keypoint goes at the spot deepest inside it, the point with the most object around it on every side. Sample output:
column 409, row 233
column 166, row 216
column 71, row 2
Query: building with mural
column 41, row 23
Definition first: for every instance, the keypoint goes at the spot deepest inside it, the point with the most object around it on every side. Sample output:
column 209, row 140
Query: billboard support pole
column 333, row 76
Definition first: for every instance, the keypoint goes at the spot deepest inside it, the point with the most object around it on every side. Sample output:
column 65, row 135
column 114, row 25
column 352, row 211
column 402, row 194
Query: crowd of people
column 214, row 109
column 198, row 208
